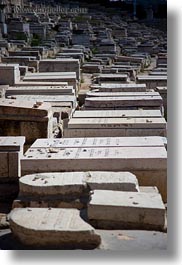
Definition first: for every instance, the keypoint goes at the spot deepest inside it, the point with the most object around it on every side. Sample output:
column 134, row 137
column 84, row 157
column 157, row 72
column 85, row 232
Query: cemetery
column 83, row 128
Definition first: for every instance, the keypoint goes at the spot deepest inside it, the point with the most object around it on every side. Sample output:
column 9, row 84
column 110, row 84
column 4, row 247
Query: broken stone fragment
column 53, row 228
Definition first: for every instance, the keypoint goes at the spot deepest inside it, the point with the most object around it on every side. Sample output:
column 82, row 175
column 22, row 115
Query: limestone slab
column 113, row 132
column 98, row 142
column 125, row 210
column 39, row 90
column 12, row 143
column 94, row 93
column 117, row 113
column 120, row 87
column 20, row 108
column 99, row 159
column 46, row 184
column 119, row 181
column 52, row 228
column 114, row 102
column 116, row 123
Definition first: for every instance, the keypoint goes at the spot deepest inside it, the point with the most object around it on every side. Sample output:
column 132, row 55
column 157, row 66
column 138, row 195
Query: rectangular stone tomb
column 48, row 77
column 149, row 164
column 140, row 113
column 95, row 93
column 53, row 144
column 123, row 102
column 12, row 144
column 11, row 151
column 126, row 210
column 120, row 87
column 52, row 99
column 40, row 90
column 60, row 65
column 44, row 83
column 115, row 127
column 53, row 228
column 70, row 189
column 112, row 78
column 31, row 119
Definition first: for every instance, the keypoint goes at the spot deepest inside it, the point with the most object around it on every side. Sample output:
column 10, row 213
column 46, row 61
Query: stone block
column 117, row 113
column 126, row 210
column 53, row 228
column 118, row 181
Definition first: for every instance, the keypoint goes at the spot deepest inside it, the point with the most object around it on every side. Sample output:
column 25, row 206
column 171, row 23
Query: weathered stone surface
column 95, row 93
column 117, row 113
column 70, row 189
column 23, row 108
column 148, row 189
column 120, row 87
column 120, row 210
column 119, row 181
column 115, row 123
column 123, row 102
column 52, row 228
column 98, row 142
column 53, row 184
column 30, row 119
column 86, row 127
column 149, row 164
column 12, row 143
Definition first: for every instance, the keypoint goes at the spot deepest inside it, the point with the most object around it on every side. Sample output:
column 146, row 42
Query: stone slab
column 117, row 123
column 49, row 99
column 12, row 143
column 49, row 228
column 85, row 159
column 111, row 132
column 94, row 93
column 125, row 210
column 70, row 189
column 98, row 142
column 114, row 102
column 39, row 90
column 148, row 164
column 119, row 181
column 44, row 83
column 120, row 87
column 116, row 113
column 19, row 108
column 53, row 184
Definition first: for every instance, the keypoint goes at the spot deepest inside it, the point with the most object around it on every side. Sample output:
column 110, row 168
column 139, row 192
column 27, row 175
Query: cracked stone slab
column 53, row 228
column 126, row 210
column 69, row 189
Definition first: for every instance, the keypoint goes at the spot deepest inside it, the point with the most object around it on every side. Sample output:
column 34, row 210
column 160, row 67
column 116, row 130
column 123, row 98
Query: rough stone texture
column 60, row 65
column 86, row 127
column 149, row 164
column 120, row 87
column 98, row 142
column 29, row 119
column 113, row 132
column 123, row 102
column 117, row 113
column 53, row 228
column 9, row 74
column 12, row 143
column 53, row 184
column 120, row 210
column 119, row 181
column 70, row 189
column 117, row 123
